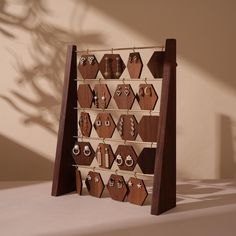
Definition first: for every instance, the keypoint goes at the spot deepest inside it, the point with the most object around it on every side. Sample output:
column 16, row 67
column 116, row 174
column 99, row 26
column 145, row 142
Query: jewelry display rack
column 164, row 178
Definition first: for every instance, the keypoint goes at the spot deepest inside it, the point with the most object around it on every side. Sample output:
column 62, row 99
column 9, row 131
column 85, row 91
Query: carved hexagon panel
column 102, row 96
column 156, row 63
column 94, row 184
column 85, row 96
column 83, row 153
column 146, row 160
column 147, row 97
column 137, row 191
column 134, row 65
column 104, row 155
column 127, row 127
column 124, row 96
column 111, row 66
column 117, row 187
column 126, row 157
column 88, row 66
column 104, row 125
column 85, row 124
column 148, row 127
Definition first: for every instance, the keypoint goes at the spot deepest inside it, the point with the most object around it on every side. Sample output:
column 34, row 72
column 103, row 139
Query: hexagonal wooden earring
column 146, row 160
column 148, row 127
column 94, row 184
column 155, row 64
column 85, row 124
column 127, row 127
column 124, row 96
column 104, row 125
column 104, row 155
column 85, row 96
column 88, row 66
column 134, row 65
column 83, row 153
column 117, row 187
column 137, row 191
column 147, row 97
column 111, row 66
column 126, row 157
column 102, row 96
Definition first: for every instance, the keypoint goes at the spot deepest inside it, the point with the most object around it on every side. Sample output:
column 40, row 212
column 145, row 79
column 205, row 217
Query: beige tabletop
column 203, row 208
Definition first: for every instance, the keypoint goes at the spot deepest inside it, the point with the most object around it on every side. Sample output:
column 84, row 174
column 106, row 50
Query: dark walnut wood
column 94, row 184
column 134, row 65
column 146, row 160
column 124, row 153
column 148, row 127
column 111, row 66
column 155, row 64
column 102, row 96
column 85, row 95
column 117, row 187
column 85, row 124
column 127, row 127
column 104, row 125
column 164, row 186
column 147, row 97
column 79, row 183
column 88, row 66
column 64, row 173
column 124, row 96
column 137, row 191
column 86, row 154
column 104, row 155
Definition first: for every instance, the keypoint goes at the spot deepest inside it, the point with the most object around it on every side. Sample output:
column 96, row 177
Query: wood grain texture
column 119, row 190
column 94, row 185
column 137, row 191
column 155, row 64
column 111, row 64
column 64, row 173
column 148, row 127
column 164, row 186
column 85, row 124
column 88, row 70
column 146, row 160
column 85, row 95
column 79, row 183
column 147, row 97
column 134, row 65
column 124, row 96
column 124, row 151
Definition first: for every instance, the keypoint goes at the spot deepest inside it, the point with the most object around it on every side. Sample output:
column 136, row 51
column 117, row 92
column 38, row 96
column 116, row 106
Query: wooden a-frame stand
column 164, row 185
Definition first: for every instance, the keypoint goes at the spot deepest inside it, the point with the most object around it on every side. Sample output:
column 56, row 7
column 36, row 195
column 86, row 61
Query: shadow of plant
column 47, row 51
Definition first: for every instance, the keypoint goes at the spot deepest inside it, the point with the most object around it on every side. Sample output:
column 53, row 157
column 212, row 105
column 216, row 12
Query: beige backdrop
column 34, row 35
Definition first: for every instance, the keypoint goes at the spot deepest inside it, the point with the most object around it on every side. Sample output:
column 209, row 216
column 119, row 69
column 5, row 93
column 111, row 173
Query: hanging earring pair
column 117, row 187
column 128, row 160
column 120, row 126
column 126, row 91
column 103, row 156
column 137, row 191
column 145, row 90
column 98, row 122
column 86, row 150
column 83, row 60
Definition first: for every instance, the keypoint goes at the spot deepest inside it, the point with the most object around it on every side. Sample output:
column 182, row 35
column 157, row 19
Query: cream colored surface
column 206, row 208
column 34, row 35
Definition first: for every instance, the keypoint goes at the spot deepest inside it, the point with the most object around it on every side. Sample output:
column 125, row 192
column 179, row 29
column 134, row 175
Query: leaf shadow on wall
column 48, row 54
column 205, row 34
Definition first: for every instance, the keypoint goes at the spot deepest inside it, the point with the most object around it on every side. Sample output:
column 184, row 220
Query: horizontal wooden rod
column 152, row 144
column 117, row 110
column 87, row 51
column 133, row 173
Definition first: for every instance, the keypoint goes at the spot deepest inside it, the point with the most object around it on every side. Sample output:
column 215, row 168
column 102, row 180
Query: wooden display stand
column 164, row 184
